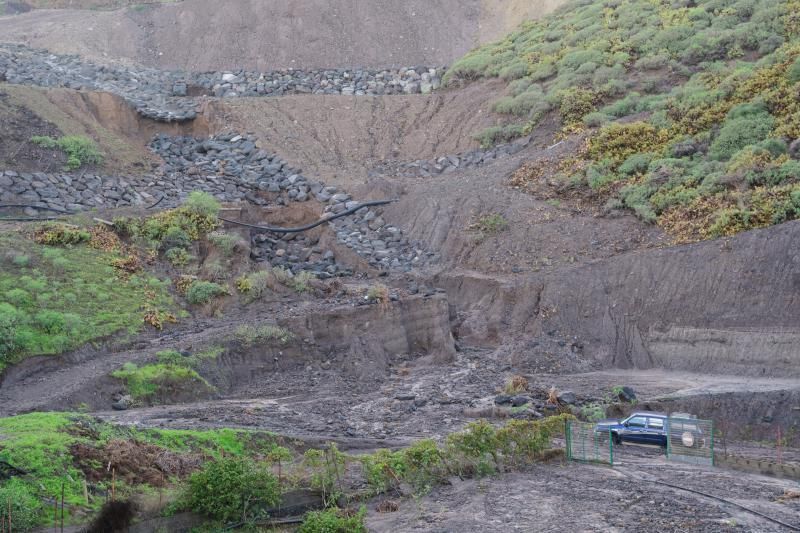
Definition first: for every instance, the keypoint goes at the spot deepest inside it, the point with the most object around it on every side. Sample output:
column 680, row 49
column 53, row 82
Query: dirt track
column 575, row 497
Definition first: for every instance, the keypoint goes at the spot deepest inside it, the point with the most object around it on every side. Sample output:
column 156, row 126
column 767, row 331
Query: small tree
column 232, row 488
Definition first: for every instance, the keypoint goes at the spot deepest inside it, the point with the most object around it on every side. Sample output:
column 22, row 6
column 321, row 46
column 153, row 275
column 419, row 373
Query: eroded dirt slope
column 253, row 34
column 339, row 138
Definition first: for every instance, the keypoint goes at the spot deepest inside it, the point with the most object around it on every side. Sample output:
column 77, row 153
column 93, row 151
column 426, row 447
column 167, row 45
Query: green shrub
column 249, row 334
column 197, row 216
column 522, row 105
column 636, row 164
column 232, row 488
column 10, row 319
column 18, row 297
column 497, row 134
column 745, row 124
column 576, row 104
column 617, row 141
column 256, row 284
column 24, row 506
column 471, row 66
column 514, row 71
column 58, row 234
column 793, row 73
column 202, row 203
column 543, row 71
column 175, row 237
column 300, row 282
column 201, row 292
column 224, row 242
column 177, row 257
column 334, row 521
column 172, row 357
column 21, row 260
column 574, row 60
column 595, row 119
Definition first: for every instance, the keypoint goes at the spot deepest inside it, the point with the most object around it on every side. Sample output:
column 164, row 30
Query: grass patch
column 490, row 224
column 249, row 335
column 40, row 444
column 157, row 382
column 334, row 521
column 79, row 150
column 255, row 285
column 54, row 299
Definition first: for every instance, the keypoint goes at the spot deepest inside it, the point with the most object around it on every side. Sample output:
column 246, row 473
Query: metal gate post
column 669, row 437
column 712, row 443
column 567, row 431
column 611, row 448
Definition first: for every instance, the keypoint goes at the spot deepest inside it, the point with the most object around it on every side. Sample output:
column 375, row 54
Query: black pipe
column 313, row 224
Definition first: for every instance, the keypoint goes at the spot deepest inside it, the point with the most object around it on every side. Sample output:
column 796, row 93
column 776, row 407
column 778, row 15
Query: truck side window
column 636, row 422
column 655, row 423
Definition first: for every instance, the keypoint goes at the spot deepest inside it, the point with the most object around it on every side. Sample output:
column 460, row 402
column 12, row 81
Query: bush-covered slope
column 690, row 108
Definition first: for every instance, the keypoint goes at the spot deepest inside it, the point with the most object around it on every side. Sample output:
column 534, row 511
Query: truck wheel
column 616, row 438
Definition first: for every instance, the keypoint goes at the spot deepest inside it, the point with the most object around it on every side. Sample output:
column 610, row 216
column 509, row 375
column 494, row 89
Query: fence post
column 713, row 459
column 610, row 448
column 669, row 436
column 568, row 439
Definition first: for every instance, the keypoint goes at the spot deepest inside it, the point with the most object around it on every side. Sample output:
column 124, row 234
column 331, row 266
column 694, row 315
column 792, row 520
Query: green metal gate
column 586, row 444
column 690, row 440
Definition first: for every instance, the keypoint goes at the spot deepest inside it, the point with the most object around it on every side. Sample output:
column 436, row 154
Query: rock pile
column 147, row 90
column 235, row 159
column 76, row 192
column 413, row 80
column 170, row 96
column 423, row 168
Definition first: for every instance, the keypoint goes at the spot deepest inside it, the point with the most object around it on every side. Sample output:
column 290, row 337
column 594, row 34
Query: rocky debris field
column 170, row 96
column 448, row 164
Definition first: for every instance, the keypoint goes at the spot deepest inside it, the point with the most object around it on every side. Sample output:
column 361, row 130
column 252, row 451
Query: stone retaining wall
column 170, row 96
column 422, row 168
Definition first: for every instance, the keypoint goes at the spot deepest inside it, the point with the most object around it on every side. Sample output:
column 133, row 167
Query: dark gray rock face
column 422, row 168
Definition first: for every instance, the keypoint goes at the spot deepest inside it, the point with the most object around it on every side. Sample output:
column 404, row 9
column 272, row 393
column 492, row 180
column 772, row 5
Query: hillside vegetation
column 232, row 475
column 690, row 109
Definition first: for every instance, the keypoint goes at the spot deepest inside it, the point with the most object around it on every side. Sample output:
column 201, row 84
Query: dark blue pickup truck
column 649, row 428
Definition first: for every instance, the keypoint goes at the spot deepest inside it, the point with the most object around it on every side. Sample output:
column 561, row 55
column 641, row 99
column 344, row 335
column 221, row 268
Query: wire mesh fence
column 586, row 443
column 690, row 440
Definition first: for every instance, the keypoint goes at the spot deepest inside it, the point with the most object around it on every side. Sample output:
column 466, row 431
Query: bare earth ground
column 576, row 497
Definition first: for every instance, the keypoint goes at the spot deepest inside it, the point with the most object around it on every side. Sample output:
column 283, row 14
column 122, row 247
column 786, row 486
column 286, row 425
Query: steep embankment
column 722, row 307
column 276, row 34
